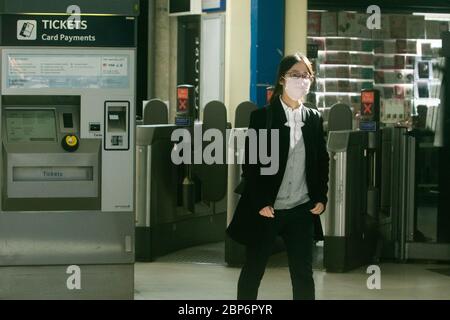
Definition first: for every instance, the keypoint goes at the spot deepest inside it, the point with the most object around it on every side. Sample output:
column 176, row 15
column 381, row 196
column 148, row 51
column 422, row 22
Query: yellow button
column 71, row 141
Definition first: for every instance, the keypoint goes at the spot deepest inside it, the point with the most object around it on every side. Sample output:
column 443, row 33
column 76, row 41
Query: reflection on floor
column 200, row 274
column 207, row 254
column 214, row 254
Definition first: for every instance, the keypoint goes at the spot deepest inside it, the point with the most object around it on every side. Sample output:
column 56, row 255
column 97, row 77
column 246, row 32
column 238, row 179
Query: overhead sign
column 83, row 31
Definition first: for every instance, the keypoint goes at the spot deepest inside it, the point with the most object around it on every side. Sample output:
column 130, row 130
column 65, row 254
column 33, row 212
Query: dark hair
column 285, row 65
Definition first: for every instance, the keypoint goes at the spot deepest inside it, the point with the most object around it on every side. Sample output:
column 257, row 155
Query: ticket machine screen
column 30, row 125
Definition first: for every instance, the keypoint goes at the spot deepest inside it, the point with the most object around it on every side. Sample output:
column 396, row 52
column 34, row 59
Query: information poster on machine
column 32, row 71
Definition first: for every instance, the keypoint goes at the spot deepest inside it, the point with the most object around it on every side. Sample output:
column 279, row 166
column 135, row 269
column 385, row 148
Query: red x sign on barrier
column 182, row 105
column 368, row 108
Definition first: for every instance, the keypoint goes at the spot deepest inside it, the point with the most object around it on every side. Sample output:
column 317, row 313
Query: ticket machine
column 67, row 111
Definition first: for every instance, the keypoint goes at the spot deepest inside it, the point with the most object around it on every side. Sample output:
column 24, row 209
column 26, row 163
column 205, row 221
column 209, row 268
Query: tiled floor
column 177, row 280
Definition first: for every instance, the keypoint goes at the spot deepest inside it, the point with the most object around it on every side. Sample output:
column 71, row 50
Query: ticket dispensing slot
column 117, row 128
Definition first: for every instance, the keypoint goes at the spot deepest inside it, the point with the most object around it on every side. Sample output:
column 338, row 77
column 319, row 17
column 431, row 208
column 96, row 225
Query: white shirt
column 294, row 189
column 294, row 121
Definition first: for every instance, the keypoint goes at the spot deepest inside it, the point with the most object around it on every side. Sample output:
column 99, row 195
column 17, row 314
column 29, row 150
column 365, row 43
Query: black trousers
column 296, row 228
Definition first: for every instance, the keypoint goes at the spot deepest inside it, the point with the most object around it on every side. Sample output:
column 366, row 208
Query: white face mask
column 297, row 88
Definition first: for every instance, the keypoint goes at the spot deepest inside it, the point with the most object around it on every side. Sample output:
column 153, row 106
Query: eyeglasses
column 295, row 75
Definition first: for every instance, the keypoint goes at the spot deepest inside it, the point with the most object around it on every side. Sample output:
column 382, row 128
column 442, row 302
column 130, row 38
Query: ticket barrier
column 178, row 205
column 410, row 219
column 155, row 112
column 351, row 232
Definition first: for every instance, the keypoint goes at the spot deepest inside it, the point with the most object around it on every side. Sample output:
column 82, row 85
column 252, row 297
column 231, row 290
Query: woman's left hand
column 318, row 209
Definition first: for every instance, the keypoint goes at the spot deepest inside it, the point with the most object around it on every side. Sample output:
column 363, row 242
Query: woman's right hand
column 267, row 212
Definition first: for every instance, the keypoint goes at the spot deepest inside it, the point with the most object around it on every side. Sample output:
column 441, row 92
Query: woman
column 288, row 203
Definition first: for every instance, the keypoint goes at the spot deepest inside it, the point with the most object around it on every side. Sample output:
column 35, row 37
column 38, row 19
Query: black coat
column 261, row 191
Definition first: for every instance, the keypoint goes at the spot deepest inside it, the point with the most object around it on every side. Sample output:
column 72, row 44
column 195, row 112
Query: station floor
column 200, row 274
